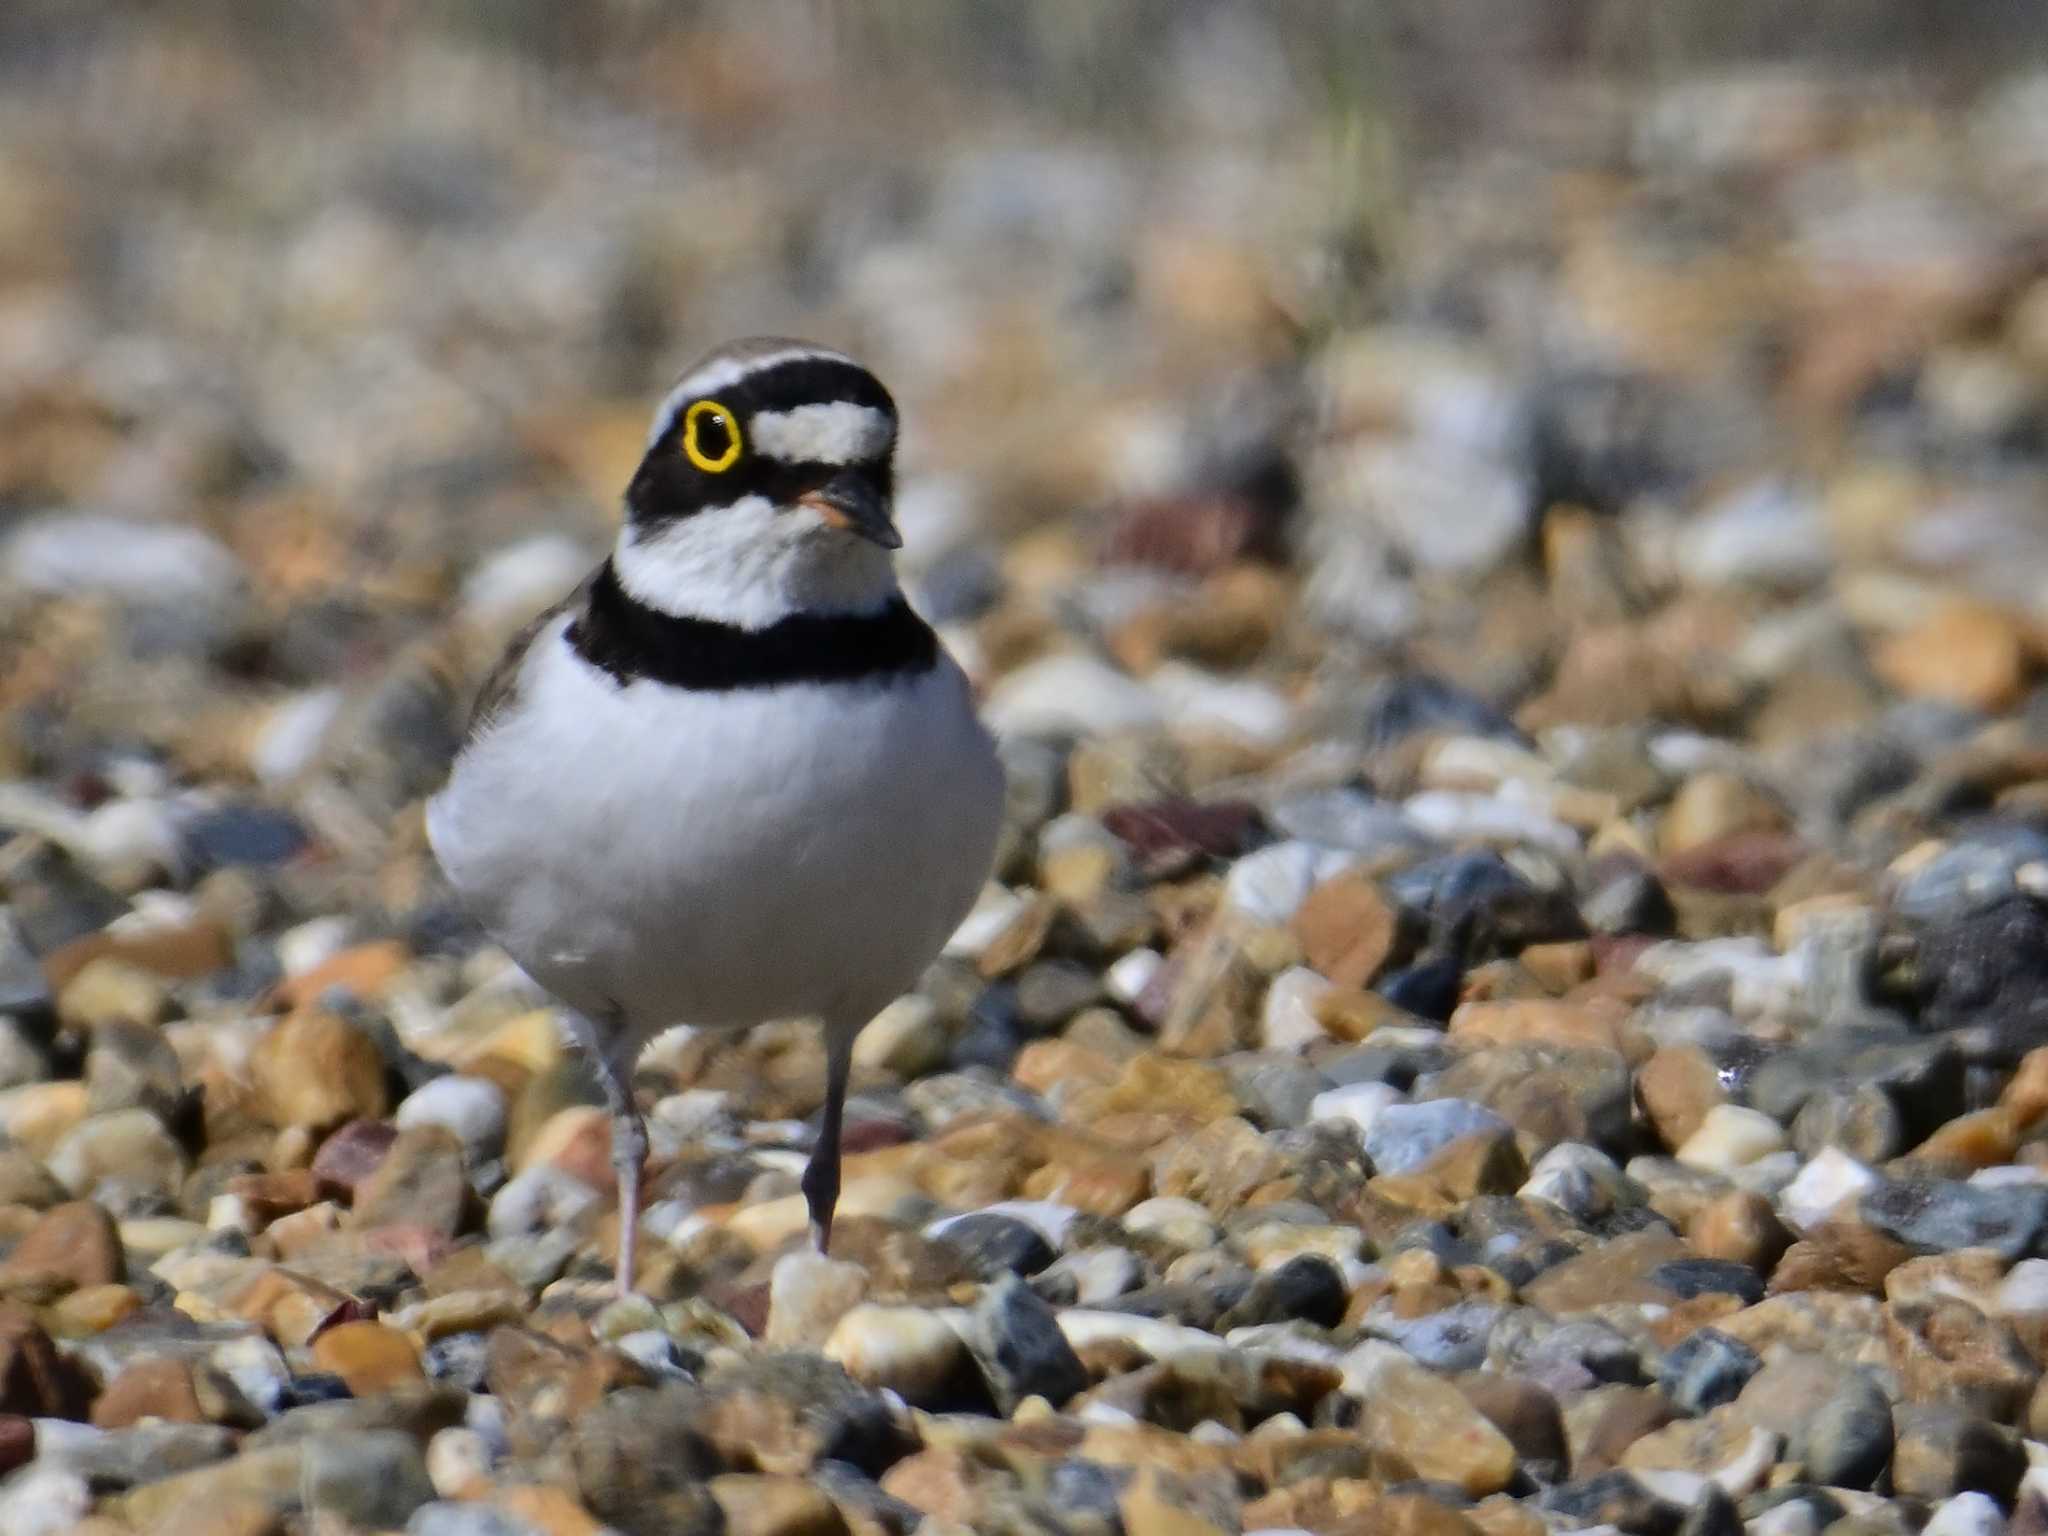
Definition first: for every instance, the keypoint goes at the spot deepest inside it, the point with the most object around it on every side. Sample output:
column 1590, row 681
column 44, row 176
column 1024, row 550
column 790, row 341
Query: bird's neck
column 741, row 566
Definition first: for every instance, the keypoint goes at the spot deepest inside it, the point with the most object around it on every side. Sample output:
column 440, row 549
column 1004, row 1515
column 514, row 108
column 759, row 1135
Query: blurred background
column 1612, row 362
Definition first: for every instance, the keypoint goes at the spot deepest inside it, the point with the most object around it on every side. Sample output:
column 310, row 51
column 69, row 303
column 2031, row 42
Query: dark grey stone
column 995, row 1245
column 1019, row 1346
column 376, row 1479
column 1707, row 1368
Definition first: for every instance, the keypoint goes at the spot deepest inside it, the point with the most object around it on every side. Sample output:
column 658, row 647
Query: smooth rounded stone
column 1020, row 1347
column 1424, row 1422
column 1359, row 1104
column 1938, row 1216
column 1966, row 1514
column 22, row 1056
column 472, row 1109
column 458, row 1359
column 141, row 1453
column 1707, row 1369
column 447, row 1518
column 44, row 1501
column 76, row 1244
column 376, row 1478
column 807, row 1295
column 1861, row 1120
column 1070, row 694
column 1306, row 1288
column 908, row 1038
column 2024, row 1288
column 1274, row 1094
column 1730, row 1137
column 1943, row 1450
column 1450, row 817
column 1970, row 875
column 1173, row 1219
column 458, row 1460
column 1834, row 1420
column 1127, row 979
column 1090, row 1276
column 1454, row 1338
column 128, row 1146
column 914, row 1352
column 1690, row 1277
column 1828, row 1179
column 132, row 1066
column 949, row 1096
column 1269, row 885
column 1288, row 1020
column 1582, row 1181
column 1403, row 1137
column 1350, row 819
column 1395, row 1055
column 993, row 1035
column 995, row 1244
column 542, row 1197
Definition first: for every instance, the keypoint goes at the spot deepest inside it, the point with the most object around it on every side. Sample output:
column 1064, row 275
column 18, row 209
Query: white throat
column 751, row 564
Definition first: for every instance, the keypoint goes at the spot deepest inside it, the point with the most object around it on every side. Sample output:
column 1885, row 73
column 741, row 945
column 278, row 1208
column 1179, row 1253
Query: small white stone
column 990, row 917
column 1102, row 1274
column 1583, row 1181
column 1795, row 1517
column 257, row 1369
column 1672, row 1485
column 1070, row 693
column 458, row 1459
column 1270, row 885
column 539, row 1198
column 1966, row 1514
column 1730, row 1137
column 1250, row 710
column 1497, row 818
column 1829, row 1177
column 1288, row 1021
column 290, row 738
column 907, row 1038
column 516, row 581
column 164, row 564
column 1151, row 1335
column 472, row 1109
column 2024, row 1289
column 911, row 1351
column 43, row 1500
column 1174, row 1219
column 1358, row 1104
column 807, row 1296
column 1126, row 980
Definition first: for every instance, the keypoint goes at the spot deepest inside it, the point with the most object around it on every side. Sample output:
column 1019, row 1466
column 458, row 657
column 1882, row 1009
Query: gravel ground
column 1515, row 994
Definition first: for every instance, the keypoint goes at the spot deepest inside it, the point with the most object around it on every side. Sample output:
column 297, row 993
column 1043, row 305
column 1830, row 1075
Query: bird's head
column 766, row 488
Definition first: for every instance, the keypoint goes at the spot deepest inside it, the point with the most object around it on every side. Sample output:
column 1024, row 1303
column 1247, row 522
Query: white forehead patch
column 723, row 372
column 828, row 432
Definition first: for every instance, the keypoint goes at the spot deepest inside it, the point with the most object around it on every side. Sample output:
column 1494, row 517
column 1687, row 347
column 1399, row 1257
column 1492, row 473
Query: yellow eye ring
column 724, row 418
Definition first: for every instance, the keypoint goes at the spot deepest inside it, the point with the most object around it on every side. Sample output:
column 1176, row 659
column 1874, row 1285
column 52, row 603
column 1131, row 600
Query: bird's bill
column 852, row 502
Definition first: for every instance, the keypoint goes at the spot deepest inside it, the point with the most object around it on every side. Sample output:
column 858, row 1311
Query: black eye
column 710, row 438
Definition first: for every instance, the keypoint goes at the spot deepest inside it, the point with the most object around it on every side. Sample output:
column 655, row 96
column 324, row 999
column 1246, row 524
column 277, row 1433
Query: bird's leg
column 821, row 1174
column 615, row 1062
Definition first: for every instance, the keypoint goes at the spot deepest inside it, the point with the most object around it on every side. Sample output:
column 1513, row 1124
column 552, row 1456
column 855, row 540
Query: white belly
column 720, row 859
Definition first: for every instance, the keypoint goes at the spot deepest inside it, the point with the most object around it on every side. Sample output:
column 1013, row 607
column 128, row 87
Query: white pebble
column 1270, row 885
column 1966, row 1514
column 1069, row 694
column 986, row 921
column 1358, row 1104
column 1288, row 1020
column 1829, row 1177
column 1174, row 1219
column 458, row 1458
column 1127, row 980
column 42, row 1501
column 1150, row 1335
column 912, row 1351
column 541, row 1197
column 166, row 564
column 1499, row 818
column 1580, row 1180
column 1250, row 710
column 472, row 1109
column 2025, row 1288
column 1730, row 1137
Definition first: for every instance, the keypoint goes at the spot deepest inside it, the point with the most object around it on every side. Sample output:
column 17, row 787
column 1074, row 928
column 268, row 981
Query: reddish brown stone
column 74, row 1245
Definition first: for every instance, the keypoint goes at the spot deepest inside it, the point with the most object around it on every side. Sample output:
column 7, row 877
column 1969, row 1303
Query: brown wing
column 501, row 683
